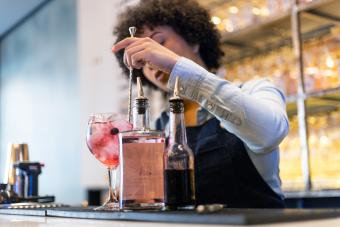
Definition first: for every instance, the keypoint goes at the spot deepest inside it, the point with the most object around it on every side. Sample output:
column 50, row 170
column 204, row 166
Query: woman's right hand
column 145, row 51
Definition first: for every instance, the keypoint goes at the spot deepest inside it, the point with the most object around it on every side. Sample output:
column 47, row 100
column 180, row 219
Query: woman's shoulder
column 264, row 85
column 258, row 82
column 261, row 84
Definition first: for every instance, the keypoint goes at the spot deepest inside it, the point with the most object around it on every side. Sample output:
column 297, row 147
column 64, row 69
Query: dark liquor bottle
column 179, row 183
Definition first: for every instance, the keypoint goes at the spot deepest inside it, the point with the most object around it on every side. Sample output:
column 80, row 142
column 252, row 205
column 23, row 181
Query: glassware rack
column 297, row 44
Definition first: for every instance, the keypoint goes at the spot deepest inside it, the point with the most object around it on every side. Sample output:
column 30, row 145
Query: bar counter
column 228, row 217
column 31, row 221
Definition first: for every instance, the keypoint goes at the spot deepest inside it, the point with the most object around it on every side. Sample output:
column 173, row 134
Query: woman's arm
column 255, row 112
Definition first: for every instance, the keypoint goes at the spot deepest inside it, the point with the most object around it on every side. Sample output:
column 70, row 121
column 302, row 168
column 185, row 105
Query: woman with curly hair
column 234, row 131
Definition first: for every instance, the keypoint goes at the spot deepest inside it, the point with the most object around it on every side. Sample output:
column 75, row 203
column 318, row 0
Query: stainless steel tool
column 132, row 31
column 17, row 152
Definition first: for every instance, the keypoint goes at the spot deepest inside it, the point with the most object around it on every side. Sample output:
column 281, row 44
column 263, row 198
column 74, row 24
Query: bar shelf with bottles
column 322, row 82
column 247, row 25
column 257, row 39
column 322, row 66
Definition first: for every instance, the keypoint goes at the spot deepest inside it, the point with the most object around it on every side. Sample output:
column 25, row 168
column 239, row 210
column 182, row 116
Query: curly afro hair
column 186, row 17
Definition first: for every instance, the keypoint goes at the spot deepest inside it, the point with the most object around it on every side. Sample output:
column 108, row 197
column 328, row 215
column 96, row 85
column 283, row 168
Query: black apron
column 224, row 173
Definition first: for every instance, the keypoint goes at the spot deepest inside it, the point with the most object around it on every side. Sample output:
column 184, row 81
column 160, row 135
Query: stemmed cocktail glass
column 102, row 140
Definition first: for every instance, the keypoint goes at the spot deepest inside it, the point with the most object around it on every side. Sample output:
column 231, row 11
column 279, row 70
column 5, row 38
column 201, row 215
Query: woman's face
column 166, row 36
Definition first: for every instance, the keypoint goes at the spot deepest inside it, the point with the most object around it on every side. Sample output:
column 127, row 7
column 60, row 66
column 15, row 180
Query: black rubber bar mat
column 225, row 216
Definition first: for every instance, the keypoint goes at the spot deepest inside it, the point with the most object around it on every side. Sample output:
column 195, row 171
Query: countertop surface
column 73, row 216
column 312, row 194
column 32, row 221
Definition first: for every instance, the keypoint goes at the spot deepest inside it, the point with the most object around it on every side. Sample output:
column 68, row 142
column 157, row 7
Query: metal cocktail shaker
column 16, row 153
column 27, row 178
column 21, row 176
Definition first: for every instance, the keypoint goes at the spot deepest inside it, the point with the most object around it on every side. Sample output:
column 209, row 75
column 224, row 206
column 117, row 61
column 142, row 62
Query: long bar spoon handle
column 132, row 31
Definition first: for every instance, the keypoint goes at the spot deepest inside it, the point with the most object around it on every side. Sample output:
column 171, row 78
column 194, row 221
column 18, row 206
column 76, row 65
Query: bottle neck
column 140, row 115
column 177, row 129
column 177, row 123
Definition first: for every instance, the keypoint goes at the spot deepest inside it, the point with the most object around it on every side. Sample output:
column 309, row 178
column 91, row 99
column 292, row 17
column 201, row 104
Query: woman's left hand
column 142, row 51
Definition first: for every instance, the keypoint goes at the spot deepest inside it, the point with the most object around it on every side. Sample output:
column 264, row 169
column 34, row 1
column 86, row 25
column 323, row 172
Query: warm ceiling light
column 256, row 11
column 330, row 62
column 312, row 70
column 265, row 12
column 228, row 25
column 233, row 9
column 215, row 20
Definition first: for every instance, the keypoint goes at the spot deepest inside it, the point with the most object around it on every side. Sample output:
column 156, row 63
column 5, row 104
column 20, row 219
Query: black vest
column 224, row 173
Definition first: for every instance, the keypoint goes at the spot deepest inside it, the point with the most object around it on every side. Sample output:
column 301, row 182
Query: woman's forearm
column 255, row 112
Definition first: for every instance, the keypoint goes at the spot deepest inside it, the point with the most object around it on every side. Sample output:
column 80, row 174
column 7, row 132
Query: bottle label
column 143, row 178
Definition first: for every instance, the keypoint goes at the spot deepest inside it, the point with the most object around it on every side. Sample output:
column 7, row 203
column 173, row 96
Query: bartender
column 233, row 130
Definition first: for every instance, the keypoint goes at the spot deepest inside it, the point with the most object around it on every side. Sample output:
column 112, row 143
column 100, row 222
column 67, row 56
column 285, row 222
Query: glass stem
column 112, row 188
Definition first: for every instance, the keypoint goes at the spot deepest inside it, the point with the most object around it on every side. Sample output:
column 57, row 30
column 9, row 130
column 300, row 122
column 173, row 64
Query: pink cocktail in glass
column 103, row 142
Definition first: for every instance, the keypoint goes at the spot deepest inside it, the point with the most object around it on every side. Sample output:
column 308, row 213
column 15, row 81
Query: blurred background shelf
column 257, row 38
column 265, row 30
column 328, row 6
column 320, row 102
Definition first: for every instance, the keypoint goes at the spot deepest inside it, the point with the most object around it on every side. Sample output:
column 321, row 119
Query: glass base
column 128, row 205
column 112, row 206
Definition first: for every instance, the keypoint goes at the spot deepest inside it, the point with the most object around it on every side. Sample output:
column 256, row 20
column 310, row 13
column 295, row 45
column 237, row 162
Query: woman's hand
column 142, row 51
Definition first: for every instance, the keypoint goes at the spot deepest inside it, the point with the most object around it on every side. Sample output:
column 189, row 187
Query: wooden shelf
column 275, row 31
column 319, row 102
column 315, row 4
column 244, row 32
column 325, row 93
column 282, row 17
column 331, row 92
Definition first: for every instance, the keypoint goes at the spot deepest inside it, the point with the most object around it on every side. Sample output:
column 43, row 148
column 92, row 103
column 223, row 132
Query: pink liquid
column 142, row 180
column 103, row 141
